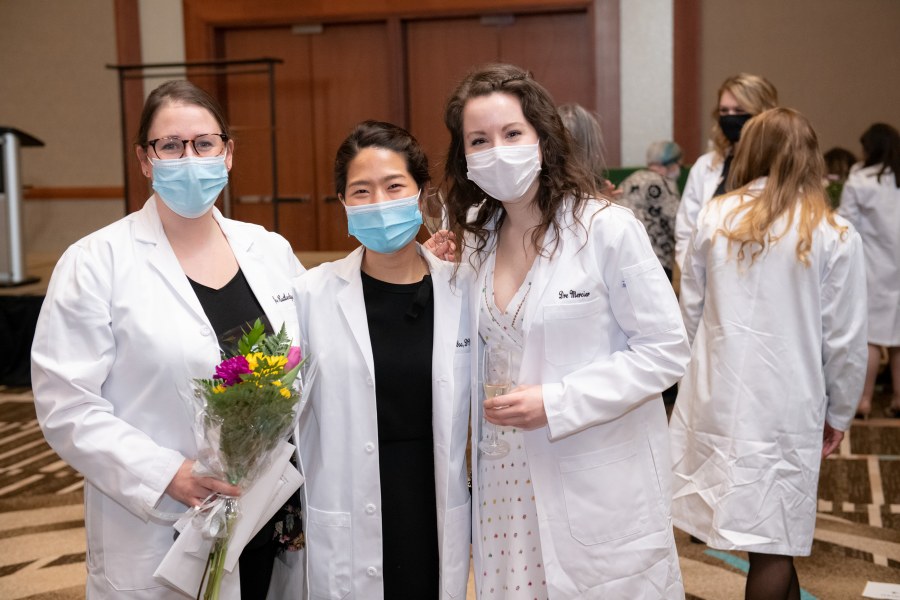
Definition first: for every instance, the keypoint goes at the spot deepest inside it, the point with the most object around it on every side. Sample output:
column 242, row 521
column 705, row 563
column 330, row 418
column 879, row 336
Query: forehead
column 182, row 119
column 728, row 99
column 494, row 110
column 374, row 163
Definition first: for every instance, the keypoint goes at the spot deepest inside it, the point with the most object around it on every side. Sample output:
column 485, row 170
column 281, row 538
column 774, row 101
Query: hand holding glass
column 496, row 379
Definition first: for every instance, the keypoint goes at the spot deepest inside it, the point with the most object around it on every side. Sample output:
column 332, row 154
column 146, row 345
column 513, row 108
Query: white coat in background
column 119, row 340
column 604, row 338
column 338, row 432
column 874, row 209
column 700, row 187
column 778, row 349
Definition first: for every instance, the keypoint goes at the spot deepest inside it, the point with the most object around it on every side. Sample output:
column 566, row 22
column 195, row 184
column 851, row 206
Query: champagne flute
column 434, row 212
column 496, row 380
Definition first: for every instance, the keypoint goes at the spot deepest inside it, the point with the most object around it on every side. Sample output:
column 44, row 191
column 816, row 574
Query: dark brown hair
column 561, row 175
column 881, row 145
column 178, row 92
column 378, row 134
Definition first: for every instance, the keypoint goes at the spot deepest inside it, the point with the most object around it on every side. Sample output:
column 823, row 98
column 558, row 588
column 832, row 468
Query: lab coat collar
column 148, row 229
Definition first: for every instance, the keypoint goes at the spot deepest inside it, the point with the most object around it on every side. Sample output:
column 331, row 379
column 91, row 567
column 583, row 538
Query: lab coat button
column 370, row 447
column 371, row 571
column 370, row 509
column 204, row 331
column 369, row 381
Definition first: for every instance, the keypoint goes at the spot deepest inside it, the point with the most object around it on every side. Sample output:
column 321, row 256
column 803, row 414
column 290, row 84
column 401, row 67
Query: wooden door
column 556, row 48
column 351, row 82
column 248, row 107
column 333, row 76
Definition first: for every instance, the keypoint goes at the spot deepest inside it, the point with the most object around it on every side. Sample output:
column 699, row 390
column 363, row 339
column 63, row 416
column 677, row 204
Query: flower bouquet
column 244, row 412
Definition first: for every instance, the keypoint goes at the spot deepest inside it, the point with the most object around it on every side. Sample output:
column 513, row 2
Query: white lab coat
column 604, row 338
column 700, row 187
column 120, row 337
column 778, row 349
column 338, row 432
column 874, row 209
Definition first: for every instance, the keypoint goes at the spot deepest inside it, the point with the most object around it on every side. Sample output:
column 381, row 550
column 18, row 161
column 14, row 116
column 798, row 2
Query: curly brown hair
column 561, row 175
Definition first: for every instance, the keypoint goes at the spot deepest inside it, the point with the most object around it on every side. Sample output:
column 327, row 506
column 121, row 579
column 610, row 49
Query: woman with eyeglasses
column 134, row 312
column 740, row 97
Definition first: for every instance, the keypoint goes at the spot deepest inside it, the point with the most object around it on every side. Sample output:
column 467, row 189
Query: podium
column 12, row 270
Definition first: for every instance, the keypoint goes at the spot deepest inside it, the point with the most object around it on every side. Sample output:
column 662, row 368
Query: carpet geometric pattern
column 857, row 538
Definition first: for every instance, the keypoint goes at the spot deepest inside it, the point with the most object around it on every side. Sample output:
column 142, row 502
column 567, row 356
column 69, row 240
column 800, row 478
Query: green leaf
column 249, row 340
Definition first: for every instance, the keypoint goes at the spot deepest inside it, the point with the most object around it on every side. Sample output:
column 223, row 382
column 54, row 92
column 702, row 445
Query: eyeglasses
column 208, row 144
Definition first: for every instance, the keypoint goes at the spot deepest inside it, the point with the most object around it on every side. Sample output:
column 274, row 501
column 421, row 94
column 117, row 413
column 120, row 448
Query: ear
column 229, row 153
column 146, row 164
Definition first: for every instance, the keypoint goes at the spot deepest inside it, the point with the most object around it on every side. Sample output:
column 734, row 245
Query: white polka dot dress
column 512, row 566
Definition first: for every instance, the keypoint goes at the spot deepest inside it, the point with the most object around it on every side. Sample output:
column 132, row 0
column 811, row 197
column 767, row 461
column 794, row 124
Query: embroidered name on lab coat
column 572, row 294
column 282, row 297
column 463, row 344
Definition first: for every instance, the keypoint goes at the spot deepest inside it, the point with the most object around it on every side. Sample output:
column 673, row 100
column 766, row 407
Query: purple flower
column 294, row 356
column 230, row 371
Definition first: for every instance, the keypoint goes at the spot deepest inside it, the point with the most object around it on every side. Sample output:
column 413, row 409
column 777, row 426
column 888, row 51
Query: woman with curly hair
column 579, row 508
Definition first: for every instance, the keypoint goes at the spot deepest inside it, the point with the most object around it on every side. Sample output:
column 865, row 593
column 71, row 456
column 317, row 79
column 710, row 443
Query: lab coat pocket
column 328, row 544
column 455, row 555
column 652, row 299
column 606, row 493
column 571, row 332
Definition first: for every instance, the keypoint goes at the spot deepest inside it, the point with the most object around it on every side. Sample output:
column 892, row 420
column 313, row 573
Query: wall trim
column 74, row 193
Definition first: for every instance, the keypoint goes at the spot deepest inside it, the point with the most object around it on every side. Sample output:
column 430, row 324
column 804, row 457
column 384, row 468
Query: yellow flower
column 277, row 383
column 253, row 359
column 218, row 389
column 285, row 392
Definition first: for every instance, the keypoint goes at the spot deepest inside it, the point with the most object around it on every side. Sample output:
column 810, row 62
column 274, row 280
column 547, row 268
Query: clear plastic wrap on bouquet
column 243, row 413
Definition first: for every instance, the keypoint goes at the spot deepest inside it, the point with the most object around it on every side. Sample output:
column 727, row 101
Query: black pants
column 256, row 563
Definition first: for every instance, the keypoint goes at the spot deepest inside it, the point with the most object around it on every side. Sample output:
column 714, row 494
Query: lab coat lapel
column 446, row 304
column 350, row 299
column 255, row 270
column 148, row 229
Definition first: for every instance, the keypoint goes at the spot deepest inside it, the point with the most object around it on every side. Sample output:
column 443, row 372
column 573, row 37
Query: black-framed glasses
column 207, row 144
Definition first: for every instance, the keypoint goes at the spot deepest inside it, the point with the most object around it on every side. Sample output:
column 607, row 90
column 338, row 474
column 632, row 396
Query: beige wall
column 54, row 84
column 833, row 60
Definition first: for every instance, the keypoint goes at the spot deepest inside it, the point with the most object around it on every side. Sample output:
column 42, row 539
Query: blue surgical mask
column 190, row 185
column 385, row 227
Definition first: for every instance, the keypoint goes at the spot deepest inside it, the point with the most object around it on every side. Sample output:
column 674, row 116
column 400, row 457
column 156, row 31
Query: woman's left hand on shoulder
column 523, row 408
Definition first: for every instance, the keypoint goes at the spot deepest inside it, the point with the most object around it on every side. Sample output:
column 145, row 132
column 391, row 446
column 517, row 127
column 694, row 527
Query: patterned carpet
column 42, row 547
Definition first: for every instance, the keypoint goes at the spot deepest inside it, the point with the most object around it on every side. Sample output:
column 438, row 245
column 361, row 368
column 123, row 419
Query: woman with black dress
column 383, row 438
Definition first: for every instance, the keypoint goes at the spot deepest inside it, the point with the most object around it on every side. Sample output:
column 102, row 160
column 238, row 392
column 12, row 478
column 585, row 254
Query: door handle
column 331, row 199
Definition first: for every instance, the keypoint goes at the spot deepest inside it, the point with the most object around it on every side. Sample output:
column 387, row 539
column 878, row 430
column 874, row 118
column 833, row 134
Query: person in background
column 383, row 437
column 871, row 201
column 579, row 507
column 838, row 163
column 770, row 297
column 133, row 314
column 740, row 97
column 652, row 194
column 584, row 127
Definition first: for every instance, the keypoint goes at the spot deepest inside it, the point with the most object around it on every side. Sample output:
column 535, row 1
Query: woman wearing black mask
column 740, row 98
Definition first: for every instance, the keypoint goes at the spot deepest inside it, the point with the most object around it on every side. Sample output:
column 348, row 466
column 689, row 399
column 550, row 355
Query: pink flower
column 230, row 371
column 294, row 356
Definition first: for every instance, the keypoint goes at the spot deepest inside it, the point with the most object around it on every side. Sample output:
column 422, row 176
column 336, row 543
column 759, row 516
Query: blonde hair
column 584, row 127
column 755, row 94
column 779, row 144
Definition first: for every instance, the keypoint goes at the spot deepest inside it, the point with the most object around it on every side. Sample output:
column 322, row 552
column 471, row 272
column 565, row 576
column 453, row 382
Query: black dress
column 232, row 310
column 401, row 330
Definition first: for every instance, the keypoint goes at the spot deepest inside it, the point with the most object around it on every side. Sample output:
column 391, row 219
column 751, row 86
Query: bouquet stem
column 215, row 565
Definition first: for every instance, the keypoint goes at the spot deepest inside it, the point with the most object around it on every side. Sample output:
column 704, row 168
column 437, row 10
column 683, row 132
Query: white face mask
column 505, row 172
